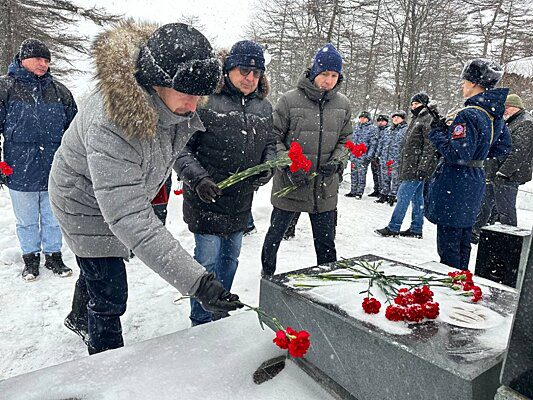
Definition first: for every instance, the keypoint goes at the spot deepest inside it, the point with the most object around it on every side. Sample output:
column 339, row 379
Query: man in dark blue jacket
column 457, row 186
column 35, row 111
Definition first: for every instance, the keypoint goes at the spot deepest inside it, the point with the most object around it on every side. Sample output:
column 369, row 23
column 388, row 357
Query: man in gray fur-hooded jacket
column 114, row 158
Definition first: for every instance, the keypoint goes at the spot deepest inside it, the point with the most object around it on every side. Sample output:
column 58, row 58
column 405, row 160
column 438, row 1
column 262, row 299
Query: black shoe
column 386, row 232
column 250, row 231
column 375, row 193
column 54, row 262
column 78, row 327
column 391, row 200
column 350, row 194
column 410, row 233
column 382, row 199
column 31, row 266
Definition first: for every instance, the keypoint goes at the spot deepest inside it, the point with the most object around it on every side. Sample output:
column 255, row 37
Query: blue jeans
column 409, row 192
column 218, row 254
column 250, row 224
column 106, row 283
column 37, row 227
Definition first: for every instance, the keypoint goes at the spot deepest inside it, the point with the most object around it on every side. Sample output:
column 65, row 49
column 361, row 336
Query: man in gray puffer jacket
column 316, row 116
column 114, row 158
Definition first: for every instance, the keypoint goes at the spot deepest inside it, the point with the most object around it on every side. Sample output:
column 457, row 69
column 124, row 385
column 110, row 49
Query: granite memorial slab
column 502, row 253
column 210, row 362
column 517, row 373
column 367, row 357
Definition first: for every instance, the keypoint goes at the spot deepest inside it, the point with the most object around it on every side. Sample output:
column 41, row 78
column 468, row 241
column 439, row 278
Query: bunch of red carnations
column 356, row 150
column 294, row 159
column 412, row 303
column 296, row 342
column 5, row 171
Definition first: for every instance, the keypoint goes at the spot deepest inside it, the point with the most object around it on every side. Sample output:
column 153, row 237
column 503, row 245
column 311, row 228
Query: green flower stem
column 282, row 161
column 261, row 314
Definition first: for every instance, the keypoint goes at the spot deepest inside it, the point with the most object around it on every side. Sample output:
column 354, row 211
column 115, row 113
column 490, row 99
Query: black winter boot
column 54, row 262
column 386, row 232
column 382, row 199
column 31, row 266
column 77, row 319
column 410, row 233
column 375, row 193
column 391, row 200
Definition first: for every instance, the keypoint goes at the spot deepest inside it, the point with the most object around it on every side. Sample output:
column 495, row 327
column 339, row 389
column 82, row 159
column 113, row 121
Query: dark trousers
column 500, row 200
column 453, row 246
column 376, row 174
column 105, row 281
column 323, row 225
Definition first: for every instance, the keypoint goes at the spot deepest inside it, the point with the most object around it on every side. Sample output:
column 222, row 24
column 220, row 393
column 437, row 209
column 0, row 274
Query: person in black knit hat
column 34, row 48
column 35, row 111
column 118, row 152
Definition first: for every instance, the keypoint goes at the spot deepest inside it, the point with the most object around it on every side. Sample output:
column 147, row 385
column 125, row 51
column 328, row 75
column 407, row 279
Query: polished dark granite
column 502, row 253
column 518, row 369
column 435, row 361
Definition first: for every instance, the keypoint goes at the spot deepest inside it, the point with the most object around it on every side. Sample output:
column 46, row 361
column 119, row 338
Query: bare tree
column 49, row 21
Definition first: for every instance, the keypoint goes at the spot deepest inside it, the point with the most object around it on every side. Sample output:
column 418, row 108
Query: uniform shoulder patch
column 459, row 131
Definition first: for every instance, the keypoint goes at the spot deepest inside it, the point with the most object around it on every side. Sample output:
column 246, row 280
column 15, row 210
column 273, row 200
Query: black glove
column 298, row 178
column 207, row 190
column 439, row 123
column 213, row 297
column 375, row 162
column 262, row 179
column 328, row 169
column 421, row 175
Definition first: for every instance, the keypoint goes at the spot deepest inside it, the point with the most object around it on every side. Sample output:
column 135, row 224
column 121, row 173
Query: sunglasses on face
column 246, row 70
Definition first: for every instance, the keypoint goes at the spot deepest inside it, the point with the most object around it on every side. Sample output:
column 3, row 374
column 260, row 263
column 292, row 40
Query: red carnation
column 281, row 340
column 404, row 298
column 477, row 294
column 389, row 163
column 431, row 309
column 299, row 345
column 299, row 160
column 178, row 192
column 395, row 312
column 5, row 168
column 357, row 150
column 423, row 295
column 371, row 305
column 415, row 313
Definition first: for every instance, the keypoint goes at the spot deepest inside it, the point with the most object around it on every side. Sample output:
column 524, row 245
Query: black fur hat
column 178, row 56
column 382, row 117
column 421, row 98
column 486, row 73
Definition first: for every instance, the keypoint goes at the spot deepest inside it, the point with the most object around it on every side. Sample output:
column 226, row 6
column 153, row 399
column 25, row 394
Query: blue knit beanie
column 247, row 54
column 326, row 59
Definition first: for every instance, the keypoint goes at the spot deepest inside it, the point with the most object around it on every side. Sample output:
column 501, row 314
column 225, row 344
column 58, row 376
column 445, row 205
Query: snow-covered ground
column 32, row 335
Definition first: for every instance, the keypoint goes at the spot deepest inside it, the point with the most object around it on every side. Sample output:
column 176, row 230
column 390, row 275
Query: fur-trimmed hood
column 263, row 87
column 127, row 104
